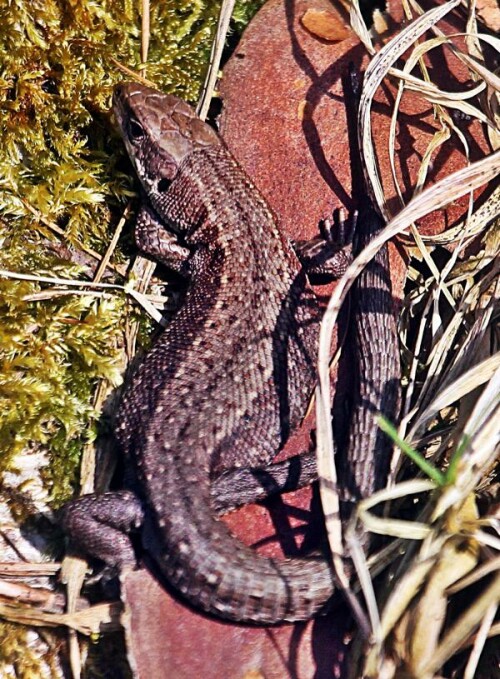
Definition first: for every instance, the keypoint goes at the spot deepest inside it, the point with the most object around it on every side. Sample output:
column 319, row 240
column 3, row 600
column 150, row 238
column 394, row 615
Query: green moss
column 62, row 164
column 59, row 160
column 51, row 354
column 58, row 155
column 244, row 11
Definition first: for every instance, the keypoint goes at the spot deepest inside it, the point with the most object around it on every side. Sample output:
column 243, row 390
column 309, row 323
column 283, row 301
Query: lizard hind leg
column 327, row 255
column 102, row 525
column 237, row 487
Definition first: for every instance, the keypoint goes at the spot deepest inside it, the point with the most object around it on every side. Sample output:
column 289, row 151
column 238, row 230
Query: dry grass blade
column 472, row 225
column 130, row 73
column 467, row 382
column 112, row 244
column 26, row 570
column 435, row 197
column 478, row 451
column 460, row 631
column 451, row 408
column 93, row 620
column 408, row 530
column 375, row 72
column 480, row 640
column 225, row 14
column 87, row 289
column 330, row 500
column 145, row 33
column 60, row 232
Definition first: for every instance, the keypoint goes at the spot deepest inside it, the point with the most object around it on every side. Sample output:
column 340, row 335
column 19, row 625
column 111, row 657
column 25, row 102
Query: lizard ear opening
column 163, row 185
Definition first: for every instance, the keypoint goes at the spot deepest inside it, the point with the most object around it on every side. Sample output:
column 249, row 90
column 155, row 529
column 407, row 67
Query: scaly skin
column 228, row 380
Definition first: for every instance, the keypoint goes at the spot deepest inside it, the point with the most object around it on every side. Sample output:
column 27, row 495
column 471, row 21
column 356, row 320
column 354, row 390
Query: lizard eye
column 135, row 130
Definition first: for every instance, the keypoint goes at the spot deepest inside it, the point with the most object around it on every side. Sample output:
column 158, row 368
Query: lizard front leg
column 159, row 243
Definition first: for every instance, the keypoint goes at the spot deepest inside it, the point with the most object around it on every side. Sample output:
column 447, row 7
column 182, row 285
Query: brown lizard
column 227, row 381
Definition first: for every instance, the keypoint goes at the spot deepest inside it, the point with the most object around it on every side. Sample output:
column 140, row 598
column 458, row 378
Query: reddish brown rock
column 284, row 119
column 165, row 639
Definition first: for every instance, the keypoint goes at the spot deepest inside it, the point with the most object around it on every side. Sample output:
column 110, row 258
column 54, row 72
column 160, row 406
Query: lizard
column 227, row 381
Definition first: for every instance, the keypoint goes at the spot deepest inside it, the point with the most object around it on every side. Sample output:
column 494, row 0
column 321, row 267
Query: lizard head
column 159, row 131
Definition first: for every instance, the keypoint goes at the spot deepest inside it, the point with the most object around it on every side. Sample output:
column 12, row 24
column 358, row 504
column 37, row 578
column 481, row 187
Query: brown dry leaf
column 325, row 24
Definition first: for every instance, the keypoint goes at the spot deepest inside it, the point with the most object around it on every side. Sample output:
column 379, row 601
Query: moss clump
column 61, row 192
column 63, row 186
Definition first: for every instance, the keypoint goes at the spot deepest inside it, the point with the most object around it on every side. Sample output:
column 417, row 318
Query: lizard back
column 227, row 381
column 231, row 375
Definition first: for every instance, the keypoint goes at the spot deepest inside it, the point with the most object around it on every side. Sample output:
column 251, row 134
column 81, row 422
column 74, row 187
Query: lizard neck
column 212, row 200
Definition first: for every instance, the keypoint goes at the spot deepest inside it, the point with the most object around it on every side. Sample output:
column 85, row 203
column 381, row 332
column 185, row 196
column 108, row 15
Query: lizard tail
column 210, row 568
